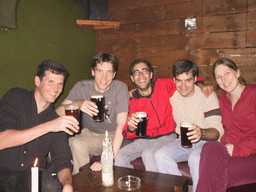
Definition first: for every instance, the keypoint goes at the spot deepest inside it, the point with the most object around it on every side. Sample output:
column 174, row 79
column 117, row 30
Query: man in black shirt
column 30, row 128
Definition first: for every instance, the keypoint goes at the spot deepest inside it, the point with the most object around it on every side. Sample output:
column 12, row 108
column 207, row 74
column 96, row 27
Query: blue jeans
column 167, row 157
column 144, row 148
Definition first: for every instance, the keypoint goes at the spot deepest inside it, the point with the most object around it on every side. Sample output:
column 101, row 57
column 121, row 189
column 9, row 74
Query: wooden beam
column 96, row 24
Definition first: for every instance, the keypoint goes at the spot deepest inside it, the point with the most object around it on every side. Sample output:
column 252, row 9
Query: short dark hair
column 140, row 61
column 105, row 57
column 53, row 67
column 184, row 66
column 230, row 64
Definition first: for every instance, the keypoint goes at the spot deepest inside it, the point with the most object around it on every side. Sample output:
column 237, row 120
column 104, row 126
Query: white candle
column 34, row 177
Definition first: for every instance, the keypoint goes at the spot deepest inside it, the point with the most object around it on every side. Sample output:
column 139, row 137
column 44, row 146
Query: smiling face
column 227, row 78
column 103, row 76
column 49, row 88
column 142, row 78
column 185, row 84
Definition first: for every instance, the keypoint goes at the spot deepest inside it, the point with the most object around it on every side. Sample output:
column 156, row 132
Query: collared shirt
column 240, row 123
column 18, row 111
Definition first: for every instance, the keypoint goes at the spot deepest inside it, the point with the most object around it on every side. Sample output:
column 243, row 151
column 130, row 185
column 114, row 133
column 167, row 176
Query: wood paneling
column 221, row 7
column 251, row 38
column 236, row 22
column 251, row 5
column 150, row 28
column 251, row 20
column 118, row 5
column 170, row 11
column 155, row 30
column 224, row 40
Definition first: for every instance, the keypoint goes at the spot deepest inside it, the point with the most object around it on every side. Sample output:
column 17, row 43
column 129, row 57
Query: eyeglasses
column 143, row 71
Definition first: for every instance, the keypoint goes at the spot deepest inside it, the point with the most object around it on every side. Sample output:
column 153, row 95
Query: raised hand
column 68, row 124
column 89, row 108
column 194, row 134
column 133, row 122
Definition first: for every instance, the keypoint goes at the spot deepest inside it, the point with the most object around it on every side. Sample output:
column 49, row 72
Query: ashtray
column 129, row 182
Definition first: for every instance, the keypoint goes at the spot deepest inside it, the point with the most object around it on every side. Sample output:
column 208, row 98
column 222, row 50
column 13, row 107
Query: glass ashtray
column 129, row 182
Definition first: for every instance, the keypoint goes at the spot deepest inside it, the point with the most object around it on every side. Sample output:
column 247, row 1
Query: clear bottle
column 107, row 158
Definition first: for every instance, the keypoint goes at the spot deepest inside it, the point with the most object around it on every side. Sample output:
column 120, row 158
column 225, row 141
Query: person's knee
column 147, row 154
column 159, row 155
column 48, row 182
column 118, row 158
column 50, row 186
column 193, row 159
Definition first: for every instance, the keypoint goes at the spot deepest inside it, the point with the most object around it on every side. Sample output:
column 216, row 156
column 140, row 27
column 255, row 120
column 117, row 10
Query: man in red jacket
column 151, row 96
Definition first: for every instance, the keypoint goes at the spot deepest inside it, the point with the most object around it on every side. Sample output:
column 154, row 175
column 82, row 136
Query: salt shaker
column 107, row 162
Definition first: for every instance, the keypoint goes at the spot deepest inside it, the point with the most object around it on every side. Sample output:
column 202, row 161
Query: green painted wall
column 46, row 30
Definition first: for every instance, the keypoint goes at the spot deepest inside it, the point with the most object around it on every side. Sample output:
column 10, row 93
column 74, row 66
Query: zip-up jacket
column 158, row 107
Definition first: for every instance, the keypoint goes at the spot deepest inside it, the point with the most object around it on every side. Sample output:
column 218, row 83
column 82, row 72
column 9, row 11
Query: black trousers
column 20, row 181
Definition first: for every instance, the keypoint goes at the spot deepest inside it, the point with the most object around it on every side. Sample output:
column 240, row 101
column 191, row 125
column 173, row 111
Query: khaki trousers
column 85, row 144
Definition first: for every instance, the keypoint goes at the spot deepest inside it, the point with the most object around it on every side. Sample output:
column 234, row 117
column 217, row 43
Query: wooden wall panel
column 251, row 38
column 117, row 5
column 224, row 40
column 236, row 22
column 251, row 5
column 251, row 20
column 155, row 30
column 137, row 15
column 220, row 7
column 152, row 43
column 166, row 27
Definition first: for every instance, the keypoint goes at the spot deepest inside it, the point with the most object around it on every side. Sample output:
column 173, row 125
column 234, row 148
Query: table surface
column 88, row 180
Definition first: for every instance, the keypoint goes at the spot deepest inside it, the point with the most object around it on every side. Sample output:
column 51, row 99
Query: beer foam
column 142, row 114
column 97, row 96
column 72, row 107
column 186, row 125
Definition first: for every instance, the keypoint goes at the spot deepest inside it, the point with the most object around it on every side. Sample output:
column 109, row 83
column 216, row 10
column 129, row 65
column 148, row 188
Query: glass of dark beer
column 185, row 142
column 99, row 100
column 142, row 125
column 72, row 110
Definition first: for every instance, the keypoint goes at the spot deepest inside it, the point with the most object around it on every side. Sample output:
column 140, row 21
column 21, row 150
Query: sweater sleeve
column 212, row 114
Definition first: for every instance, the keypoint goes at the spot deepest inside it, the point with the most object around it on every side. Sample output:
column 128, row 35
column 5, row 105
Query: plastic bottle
column 107, row 162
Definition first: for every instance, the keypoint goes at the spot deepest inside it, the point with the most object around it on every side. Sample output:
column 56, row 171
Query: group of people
column 223, row 129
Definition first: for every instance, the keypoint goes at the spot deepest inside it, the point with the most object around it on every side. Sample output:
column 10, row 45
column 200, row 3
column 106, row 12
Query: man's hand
column 96, row 166
column 68, row 124
column 131, row 92
column 133, row 122
column 89, row 108
column 230, row 148
column 194, row 134
column 207, row 90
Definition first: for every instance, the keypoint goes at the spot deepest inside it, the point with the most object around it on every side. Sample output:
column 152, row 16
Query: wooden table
column 88, row 180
